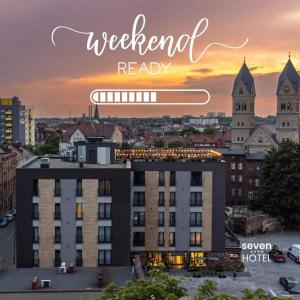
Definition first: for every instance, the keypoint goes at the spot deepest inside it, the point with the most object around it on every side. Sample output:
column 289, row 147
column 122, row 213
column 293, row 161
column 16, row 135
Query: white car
column 294, row 253
column 9, row 217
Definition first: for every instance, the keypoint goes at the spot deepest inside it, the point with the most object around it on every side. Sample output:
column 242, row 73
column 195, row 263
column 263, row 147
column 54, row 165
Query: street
column 7, row 245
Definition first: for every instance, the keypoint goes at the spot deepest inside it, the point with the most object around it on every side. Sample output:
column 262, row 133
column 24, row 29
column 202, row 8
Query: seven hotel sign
column 257, row 252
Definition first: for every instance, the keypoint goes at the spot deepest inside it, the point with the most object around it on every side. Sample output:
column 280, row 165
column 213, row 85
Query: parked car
column 9, row 217
column 287, row 283
column 14, row 212
column 277, row 255
column 3, row 222
column 294, row 253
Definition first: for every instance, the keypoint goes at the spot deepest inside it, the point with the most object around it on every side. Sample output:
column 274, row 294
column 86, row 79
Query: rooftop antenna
column 289, row 54
column 244, row 59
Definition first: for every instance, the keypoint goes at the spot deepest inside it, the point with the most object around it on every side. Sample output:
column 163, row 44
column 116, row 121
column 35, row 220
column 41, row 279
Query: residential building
column 164, row 205
column 16, row 122
column 8, row 164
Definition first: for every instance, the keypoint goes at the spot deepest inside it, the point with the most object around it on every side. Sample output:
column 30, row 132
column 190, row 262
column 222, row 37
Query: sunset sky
column 57, row 79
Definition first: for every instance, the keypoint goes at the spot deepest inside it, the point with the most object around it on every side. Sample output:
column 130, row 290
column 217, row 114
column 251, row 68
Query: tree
column 159, row 143
column 161, row 286
column 208, row 291
column 189, row 131
column 279, row 193
column 209, row 131
column 51, row 147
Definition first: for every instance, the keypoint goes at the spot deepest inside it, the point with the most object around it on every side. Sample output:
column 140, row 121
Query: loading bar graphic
column 143, row 96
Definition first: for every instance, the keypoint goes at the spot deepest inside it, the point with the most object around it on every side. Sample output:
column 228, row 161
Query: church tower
column 288, row 101
column 243, row 117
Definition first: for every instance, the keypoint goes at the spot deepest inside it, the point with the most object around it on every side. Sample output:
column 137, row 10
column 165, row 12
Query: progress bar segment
column 144, row 96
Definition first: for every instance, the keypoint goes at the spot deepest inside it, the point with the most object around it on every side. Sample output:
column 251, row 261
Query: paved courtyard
column 263, row 274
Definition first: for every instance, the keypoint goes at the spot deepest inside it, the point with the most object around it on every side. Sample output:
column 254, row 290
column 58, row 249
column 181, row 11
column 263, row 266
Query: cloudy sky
column 58, row 79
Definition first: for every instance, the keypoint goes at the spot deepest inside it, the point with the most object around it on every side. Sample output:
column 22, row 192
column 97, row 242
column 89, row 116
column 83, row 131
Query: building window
column 79, row 238
column 36, row 259
column 104, row 235
column 79, row 188
column 172, row 199
column 35, row 234
column 161, row 239
column 240, row 192
column 195, row 219
column 196, row 178
column 250, row 194
column 232, row 178
column 232, row 165
column 172, row 220
column 104, row 257
column 104, row 211
column 35, row 187
column 57, row 236
column 257, row 182
column 240, row 166
column 139, row 178
column 240, row 178
column 172, row 239
column 161, row 219
column 172, row 178
column 139, row 199
column 161, row 180
column 138, row 218
column 79, row 212
column 104, row 187
column 57, row 188
column 195, row 239
column 289, row 106
column 35, row 211
column 233, row 192
column 79, row 258
column 139, row 239
column 161, row 199
column 57, row 211
column 57, row 259
column 250, row 182
column 196, row 199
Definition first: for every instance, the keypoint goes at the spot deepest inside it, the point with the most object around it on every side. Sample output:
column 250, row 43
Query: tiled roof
column 89, row 129
column 289, row 72
column 245, row 76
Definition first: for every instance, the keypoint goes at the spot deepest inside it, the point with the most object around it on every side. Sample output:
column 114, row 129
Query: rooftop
column 167, row 154
column 57, row 163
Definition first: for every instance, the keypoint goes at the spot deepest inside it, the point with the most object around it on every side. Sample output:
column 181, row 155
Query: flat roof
column 58, row 163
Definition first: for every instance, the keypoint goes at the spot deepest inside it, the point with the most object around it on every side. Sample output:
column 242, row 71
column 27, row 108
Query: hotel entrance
column 176, row 260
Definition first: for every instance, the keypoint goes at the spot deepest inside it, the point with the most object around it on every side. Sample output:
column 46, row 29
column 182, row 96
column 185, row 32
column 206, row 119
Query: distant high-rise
column 16, row 122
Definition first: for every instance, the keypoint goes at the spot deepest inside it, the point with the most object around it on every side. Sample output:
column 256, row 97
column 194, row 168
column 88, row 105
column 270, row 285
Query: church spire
column 245, row 77
column 289, row 73
column 96, row 113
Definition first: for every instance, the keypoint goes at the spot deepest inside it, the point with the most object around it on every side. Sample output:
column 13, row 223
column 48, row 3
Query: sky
column 57, row 80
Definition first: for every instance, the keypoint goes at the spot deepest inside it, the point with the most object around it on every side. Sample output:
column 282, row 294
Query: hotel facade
column 108, row 205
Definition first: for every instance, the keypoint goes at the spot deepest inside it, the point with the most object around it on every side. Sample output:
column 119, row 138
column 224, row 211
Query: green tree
column 176, row 144
column 51, row 147
column 208, row 291
column 209, row 131
column 159, row 143
column 189, row 131
column 279, row 193
column 161, row 286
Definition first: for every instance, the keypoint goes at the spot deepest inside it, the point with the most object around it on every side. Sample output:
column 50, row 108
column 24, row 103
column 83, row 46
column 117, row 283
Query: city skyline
column 59, row 79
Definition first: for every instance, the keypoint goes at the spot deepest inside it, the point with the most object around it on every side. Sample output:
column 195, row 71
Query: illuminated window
column 104, row 187
column 79, row 213
column 172, row 239
column 195, row 238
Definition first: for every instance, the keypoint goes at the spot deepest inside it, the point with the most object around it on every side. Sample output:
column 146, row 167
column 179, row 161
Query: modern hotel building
column 108, row 205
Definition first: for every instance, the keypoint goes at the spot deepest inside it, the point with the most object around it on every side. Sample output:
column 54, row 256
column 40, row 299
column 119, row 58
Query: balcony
column 8, row 119
column 8, row 112
column 79, row 192
column 79, row 262
column 57, row 239
column 57, row 215
column 79, row 238
column 57, row 192
column 57, row 262
column 36, row 239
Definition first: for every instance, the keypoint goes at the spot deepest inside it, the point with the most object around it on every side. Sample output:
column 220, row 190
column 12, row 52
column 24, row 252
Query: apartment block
column 107, row 205
column 16, row 122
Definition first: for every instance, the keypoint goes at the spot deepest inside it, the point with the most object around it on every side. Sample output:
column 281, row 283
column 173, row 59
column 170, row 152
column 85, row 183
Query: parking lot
column 263, row 274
